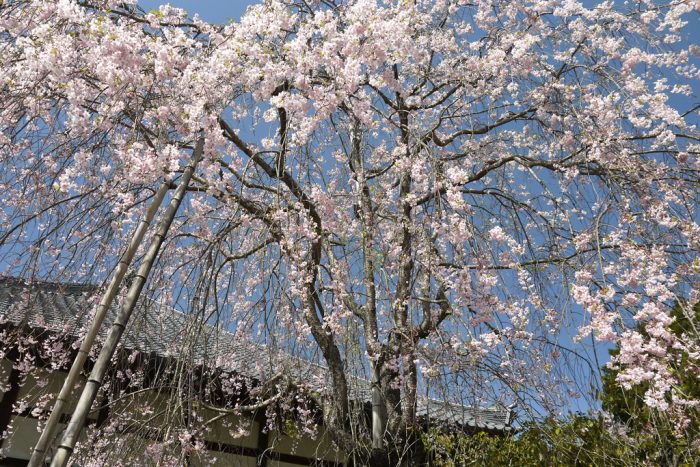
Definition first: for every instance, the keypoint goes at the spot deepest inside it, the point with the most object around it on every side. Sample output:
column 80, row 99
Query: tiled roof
column 491, row 419
column 161, row 330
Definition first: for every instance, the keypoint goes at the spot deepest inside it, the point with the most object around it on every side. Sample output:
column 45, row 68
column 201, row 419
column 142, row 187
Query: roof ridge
column 34, row 282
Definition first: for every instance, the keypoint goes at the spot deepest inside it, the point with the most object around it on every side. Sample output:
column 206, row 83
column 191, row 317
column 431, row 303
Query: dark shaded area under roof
column 165, row 332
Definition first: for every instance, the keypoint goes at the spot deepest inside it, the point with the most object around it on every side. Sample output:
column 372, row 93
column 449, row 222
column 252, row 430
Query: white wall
column 43, row 386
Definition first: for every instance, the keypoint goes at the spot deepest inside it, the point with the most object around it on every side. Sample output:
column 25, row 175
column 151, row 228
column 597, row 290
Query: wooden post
column 263, row 439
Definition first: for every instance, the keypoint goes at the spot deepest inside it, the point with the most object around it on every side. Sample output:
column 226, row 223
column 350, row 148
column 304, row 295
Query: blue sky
column 213, row 11
column 217, row 11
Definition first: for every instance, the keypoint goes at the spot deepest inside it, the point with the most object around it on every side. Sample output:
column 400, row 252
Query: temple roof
column 163, row 331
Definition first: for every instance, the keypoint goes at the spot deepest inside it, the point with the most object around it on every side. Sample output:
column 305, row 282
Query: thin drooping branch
column 77, row 422
column 105, row 303
column 325, row 340
column 506, row 165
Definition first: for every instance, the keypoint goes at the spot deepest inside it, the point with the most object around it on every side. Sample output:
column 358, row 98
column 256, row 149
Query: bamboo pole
column 75, row 426
column 63, row 398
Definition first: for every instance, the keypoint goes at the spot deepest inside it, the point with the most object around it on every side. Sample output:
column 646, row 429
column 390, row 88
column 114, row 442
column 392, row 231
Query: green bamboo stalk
column 63, row 398
column 92, row 386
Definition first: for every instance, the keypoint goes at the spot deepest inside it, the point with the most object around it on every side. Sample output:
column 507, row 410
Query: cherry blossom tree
column 454, row 200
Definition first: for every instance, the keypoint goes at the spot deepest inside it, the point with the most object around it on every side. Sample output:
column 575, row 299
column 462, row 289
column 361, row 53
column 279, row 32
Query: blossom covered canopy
column 440, row 190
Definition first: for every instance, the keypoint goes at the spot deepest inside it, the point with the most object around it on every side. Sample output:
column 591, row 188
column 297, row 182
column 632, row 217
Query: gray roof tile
column 166, row 332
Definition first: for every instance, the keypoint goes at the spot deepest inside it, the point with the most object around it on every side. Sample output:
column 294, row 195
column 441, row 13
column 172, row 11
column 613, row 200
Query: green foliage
column 578, row 441
column 634, row 435
column 656, row 439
